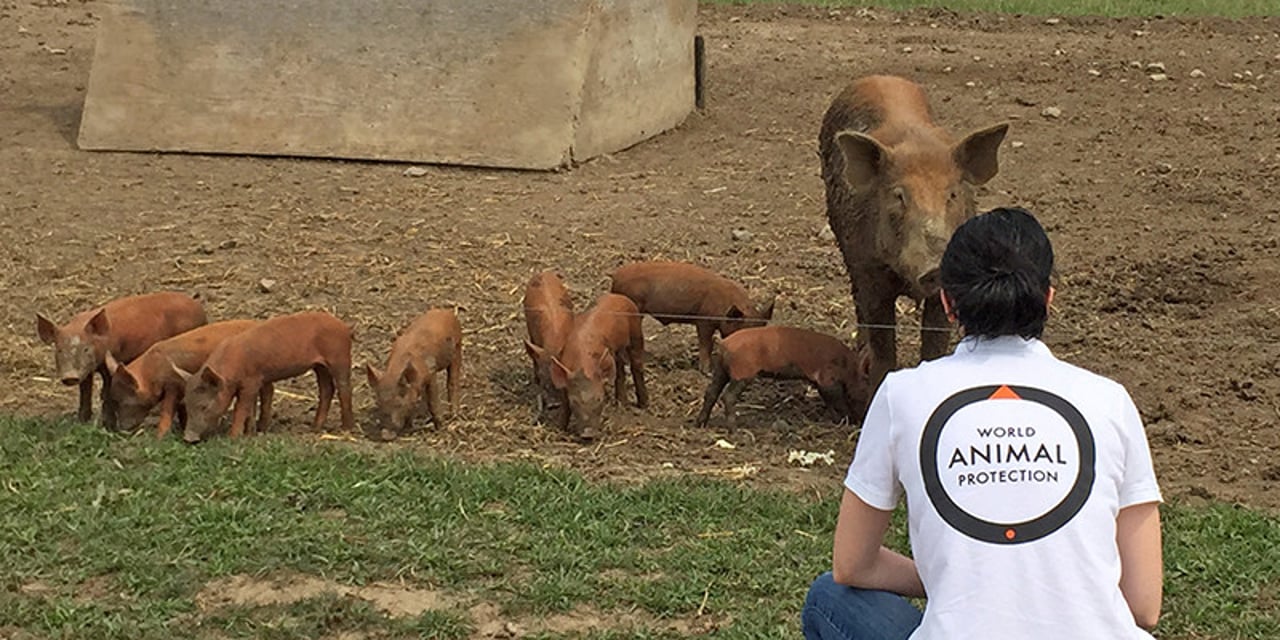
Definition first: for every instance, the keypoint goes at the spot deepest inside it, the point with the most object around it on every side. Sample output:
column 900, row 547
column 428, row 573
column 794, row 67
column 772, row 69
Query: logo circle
column 1007, row 532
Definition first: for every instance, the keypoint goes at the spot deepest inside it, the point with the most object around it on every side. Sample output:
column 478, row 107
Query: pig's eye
column 951, row 197
column 901, row 195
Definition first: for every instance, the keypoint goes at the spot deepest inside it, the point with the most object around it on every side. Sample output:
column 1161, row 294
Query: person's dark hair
column 995, row 272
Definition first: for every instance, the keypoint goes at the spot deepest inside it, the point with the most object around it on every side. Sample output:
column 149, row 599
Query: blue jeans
column 836, row 612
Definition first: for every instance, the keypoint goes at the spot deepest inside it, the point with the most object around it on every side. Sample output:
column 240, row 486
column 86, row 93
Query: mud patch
column 394, row 600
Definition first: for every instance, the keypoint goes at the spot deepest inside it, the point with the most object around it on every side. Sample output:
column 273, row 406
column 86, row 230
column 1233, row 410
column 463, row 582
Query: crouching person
column 1031, row 497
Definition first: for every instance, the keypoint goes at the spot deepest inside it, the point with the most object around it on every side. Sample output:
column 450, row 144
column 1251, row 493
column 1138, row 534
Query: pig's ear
column 605, row 359
column 372, row 373
column 182, row 373
column 122, row 374
column 559, row 373
column 864, row 158
column 209, row 377
column 46, row 329
column 977, row 154
column 864, row 362
column 534, row 351
column 410, row 375
column 735, row 313
column 112, row 365
column 98, row 324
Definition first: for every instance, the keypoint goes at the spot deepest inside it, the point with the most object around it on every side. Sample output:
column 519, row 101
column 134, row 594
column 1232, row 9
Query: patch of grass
column 110, row 537
column 1112, row 8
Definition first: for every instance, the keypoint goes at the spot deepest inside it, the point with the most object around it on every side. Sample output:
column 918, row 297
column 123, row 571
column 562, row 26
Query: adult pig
column 897, row 187
column 125, row 328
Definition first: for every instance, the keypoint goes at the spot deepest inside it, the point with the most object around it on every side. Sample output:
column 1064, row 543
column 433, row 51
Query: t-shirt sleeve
column 873, row 476
column 1138, row 484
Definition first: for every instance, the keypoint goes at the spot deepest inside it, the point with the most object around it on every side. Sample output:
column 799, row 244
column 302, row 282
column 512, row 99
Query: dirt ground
column 1162, row 198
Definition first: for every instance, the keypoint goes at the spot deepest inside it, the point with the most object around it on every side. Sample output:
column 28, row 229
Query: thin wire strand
column 695, row 318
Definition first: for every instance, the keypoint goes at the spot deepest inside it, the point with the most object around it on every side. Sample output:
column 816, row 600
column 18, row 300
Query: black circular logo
column 1007, row 532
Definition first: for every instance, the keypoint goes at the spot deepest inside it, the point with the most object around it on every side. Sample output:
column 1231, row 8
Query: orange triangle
column 1004, row 393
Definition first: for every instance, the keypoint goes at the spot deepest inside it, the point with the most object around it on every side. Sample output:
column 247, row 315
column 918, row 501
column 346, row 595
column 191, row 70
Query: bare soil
column 1162, row 198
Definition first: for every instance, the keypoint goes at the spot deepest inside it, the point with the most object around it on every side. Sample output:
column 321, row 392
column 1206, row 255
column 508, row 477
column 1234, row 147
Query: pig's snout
column 190, row 438
column 931, row 281
column 70, row 380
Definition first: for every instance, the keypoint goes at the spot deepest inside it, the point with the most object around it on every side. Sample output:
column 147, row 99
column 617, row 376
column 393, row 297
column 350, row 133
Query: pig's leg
column 875, row 307
column 168, row 407
column 730, row 400
column 85, row 412
column 246, row 396
column 265, row 396
column 433, row 402
column 341, row 375
column 719, row 378
column 636, row 357
column 109, row 418
column 619, row 376
column 325, row 382
column 455, row 378
column 706, row 331
column 935, row 332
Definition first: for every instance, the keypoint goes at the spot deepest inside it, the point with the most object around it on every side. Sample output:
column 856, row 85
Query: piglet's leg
column 168, row 407
column 342, row 380
column 706, row 331
column 455, row 379
column 109, row 418
column 246, row 396
column 85, row 412
column 429, row 392
column 265, row 396
column 619, row 378
column 730, row 399
column 636, row 357
column 719, row 378
column 324, row 380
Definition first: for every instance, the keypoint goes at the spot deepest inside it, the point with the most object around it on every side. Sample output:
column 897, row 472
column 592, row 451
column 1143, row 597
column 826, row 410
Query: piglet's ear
column 112, row 365
column 210, row 377
column 98, row 324
column 766, row 312
column 182, row 373
column 46, row 329
column 559, row 373
column 373, row 374
column 734, row 312
column 534, row 351
column 122, row 374
column 410, row 375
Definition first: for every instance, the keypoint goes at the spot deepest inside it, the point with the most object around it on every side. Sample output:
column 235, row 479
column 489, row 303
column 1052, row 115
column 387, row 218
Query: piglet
column 124, row 328
column 245, row 365
column 150, row 379
column 683, row 293
column 839, row 373
column 548, row 314
column 431, row 343
column 603, row 341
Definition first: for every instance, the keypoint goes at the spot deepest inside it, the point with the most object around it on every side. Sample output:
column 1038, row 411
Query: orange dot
column 1009, row 534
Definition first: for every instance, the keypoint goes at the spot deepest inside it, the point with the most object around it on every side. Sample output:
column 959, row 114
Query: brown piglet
column 683, row 293
column 244, row 366
column 897, row 187
column 431, row 343
column 548, row 314
column 603, row 342
column 786, row 353
column 125, row 328
column 151, row 380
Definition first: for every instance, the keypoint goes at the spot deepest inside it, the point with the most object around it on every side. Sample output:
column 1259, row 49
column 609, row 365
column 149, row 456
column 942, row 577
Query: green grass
column 111, row 537
column 1113, row 8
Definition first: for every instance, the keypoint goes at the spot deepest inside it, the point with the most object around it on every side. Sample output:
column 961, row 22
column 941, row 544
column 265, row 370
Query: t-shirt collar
column 1002, row 344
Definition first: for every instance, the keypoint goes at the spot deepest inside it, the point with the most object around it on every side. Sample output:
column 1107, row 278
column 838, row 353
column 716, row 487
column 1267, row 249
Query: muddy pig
column 431, row 343
column 897, row 187
column 548, row 314
column 683, row 293
column 786, row 353
column 150, row 379
column 124, row 328
column 244, row 365
column 604, row 340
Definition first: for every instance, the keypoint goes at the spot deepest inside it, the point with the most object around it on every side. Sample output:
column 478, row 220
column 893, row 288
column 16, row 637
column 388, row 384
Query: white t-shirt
column 1014, row 465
